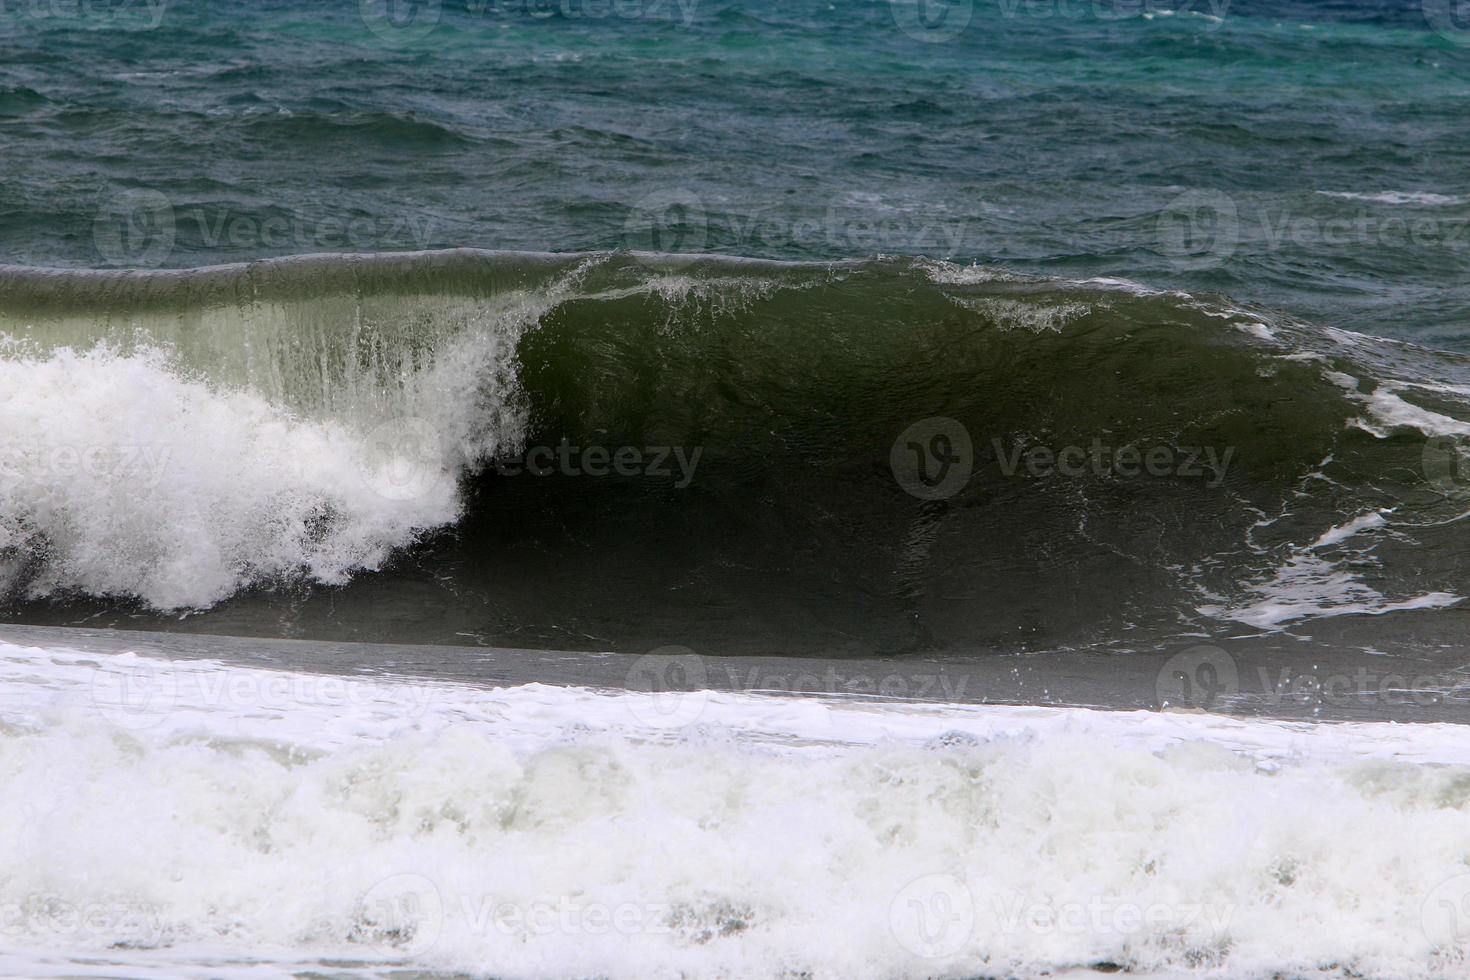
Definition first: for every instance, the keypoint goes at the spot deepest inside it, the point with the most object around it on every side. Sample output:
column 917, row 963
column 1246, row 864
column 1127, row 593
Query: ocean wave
column 311, row 419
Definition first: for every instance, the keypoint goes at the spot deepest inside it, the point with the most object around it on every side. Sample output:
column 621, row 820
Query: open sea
column 682, row 488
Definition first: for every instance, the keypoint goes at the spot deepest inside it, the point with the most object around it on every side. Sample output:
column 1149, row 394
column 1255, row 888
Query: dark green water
column 603, row 451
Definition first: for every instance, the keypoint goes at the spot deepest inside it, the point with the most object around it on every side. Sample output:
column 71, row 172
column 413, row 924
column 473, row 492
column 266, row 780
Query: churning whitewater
column 201, row 817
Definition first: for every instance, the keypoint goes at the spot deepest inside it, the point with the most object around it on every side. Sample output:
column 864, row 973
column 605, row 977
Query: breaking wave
column 1129, row 461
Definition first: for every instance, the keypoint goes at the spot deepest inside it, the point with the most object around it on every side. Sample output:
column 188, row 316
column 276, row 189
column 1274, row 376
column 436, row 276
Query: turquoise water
column 1053, row 137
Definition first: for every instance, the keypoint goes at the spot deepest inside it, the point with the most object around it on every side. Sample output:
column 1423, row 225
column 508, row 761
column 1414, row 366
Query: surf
column 861, row 457
column 245, row 819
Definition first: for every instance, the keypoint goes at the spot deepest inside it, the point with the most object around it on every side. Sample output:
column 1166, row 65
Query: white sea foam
column 131, row 478
column 1390, row 412
column 1257, row 329
column 258, row 820
column 1009, row 314
column 1307, row 586
column 1399, row 197
column 1359, row 524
